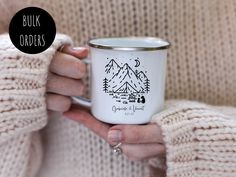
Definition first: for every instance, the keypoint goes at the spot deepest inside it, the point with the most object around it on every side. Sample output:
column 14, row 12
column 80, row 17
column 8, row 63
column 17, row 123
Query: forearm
column 200, row 139
column 22, row 87
column 23, row 109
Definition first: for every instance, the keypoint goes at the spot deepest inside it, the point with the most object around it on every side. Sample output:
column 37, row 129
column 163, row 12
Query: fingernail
column 114, row 136
column 79, row 48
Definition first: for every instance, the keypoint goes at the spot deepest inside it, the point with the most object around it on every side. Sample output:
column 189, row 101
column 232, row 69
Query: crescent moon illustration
column 137, row 63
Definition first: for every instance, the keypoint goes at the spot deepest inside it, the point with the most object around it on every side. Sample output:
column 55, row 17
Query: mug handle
column 82, row 101
column 79, row 99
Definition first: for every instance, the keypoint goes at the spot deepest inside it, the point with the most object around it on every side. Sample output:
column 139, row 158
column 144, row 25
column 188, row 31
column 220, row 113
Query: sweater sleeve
column 200, row 139
column 22, row 87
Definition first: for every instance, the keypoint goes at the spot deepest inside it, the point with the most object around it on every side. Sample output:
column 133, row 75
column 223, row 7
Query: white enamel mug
column 127, row 79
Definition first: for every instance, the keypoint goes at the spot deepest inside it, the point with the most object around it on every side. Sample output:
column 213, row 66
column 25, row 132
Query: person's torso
column 201, row 66
column 202, row 58
column 201, row 63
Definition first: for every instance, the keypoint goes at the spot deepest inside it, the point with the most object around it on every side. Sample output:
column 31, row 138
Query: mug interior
column 130, row 43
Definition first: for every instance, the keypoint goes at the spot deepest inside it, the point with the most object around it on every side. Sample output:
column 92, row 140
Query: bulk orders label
column 32, row 30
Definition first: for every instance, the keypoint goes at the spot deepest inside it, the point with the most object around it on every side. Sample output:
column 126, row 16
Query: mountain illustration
column 124, row 84
column 142, row 76
column 118, row 76
column 112, row 68
column 127, row 75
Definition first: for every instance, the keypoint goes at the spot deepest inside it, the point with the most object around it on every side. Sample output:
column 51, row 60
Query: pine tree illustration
column 147, row 85
column 105, row 85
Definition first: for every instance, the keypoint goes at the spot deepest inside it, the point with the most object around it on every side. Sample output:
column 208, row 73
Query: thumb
column 150, row 133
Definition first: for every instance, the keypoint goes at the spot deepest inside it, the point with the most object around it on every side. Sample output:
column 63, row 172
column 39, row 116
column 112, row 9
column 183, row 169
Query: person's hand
column 139, row 142
column 64, row 79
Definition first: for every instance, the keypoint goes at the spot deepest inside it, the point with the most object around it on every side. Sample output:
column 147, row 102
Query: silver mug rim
column 99, row 46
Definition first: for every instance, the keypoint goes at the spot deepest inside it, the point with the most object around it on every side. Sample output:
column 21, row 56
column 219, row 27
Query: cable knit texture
column 22, row 105
column 200, row 139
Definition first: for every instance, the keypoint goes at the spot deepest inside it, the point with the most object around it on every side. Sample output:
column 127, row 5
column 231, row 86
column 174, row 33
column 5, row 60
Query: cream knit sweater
column 200, row 139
